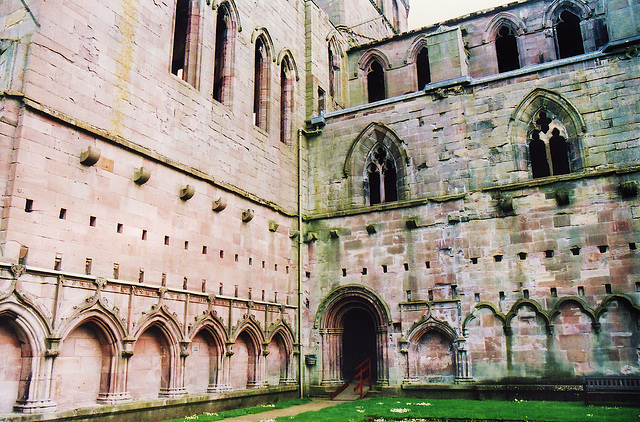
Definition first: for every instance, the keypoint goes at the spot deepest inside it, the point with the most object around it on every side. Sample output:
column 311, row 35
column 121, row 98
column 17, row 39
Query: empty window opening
column 322, row 106
column 497, row 258
column 120, row 228
column 28, row 205
column 607, row 288
column 163, row 279
column 384, row 268
column 184, row 42
column 427, row 264
column 220, row 287
column 575, row 250
column 275, row 296
column 222, row 65
column 249, row 293
column 186, row 245
column 632, row 246
column 408, row 295
column 422, row 68
column 92, row 221
column 474, row 260
column 395, row 15
column 430, row 294
column 476, row 297
column 334, row 72
column 569, row 35
column 307, row 274
column 166, row 240
column 406, row 266
column 548, row 147
column 286, row 100
column 454, row 292
column 250, row 261
column 204, row 250
column 522, row 256
column 375, row 82
column 554, row 292
column 185, row 283
column 637, row 286
column 525, row 293
column 580, row 290
column 603, row 248
column 262, row 296
column 144, row 235
column 236, row 257
column 63, row 214
column 261, row 85
column 57, row 263
column 141, row 276
column 286, row 269
column 501, row 295
column 364, row 271
column 381, row 176
column 203, row 286
column 344, row 272
column 264, row 264
column 87, row 266
column 116, row 271
column 507, row 50
column 235, row 290
column 275, row 267
column 548, row 253
column 221, row 254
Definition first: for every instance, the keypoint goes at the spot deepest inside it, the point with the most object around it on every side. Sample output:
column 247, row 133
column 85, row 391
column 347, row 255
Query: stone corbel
column 273, row 226
column 89, row 156
column 185, row 348
column 219, row 205
column 247, row 215
column 127, row 347
column 187, row 192
column 53, row 344
column 141, row 175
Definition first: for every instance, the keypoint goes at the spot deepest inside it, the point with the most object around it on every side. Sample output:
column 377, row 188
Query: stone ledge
column 163, row 409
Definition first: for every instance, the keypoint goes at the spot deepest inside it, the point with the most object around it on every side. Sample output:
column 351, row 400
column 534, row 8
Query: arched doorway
column 353, row 322
column 358, row 342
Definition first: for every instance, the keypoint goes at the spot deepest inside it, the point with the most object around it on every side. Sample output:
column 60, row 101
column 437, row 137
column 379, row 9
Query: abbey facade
column 212, row 202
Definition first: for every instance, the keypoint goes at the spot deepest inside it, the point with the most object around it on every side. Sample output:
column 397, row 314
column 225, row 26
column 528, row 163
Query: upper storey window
column 286, row 100
column 223, row 54
column 185, row 30
column 548, row 147
column 261, row 84
column 422, row 68
column 569, row 35
column 507, row 49
column 382, row 176
column 395, row 15
column 376, row 89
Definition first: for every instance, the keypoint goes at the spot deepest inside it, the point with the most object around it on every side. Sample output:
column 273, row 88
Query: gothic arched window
column 422, row 68
column 507, row 49
column 548, row 147
column 286, row 100
column 376, row 89
column 223, row 54
column 185, row 41
column 261, row 84
column 382, row 176
column 569, row 35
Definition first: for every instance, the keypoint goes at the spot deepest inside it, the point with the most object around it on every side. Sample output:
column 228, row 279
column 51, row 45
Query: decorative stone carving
column 219, row 204
column 187, row 192
column 141, row 175
column 247, row 216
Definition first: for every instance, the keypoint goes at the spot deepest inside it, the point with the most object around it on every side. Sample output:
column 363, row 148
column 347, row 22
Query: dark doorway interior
column 358, row 342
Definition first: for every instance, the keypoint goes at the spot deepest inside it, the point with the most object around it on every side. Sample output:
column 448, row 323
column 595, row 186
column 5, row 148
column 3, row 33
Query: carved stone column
column 331, row 356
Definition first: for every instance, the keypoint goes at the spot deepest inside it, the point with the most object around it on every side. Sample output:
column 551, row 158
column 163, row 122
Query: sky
column 427, row 12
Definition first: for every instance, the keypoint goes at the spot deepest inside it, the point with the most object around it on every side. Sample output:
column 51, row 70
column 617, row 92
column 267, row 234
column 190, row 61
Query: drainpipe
column 299, row 281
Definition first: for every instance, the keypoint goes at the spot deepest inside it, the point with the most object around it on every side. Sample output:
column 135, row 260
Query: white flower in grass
column 400, row 410
column 360, row 410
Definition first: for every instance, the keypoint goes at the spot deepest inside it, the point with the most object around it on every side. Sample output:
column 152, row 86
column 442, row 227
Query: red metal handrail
column 361, row 370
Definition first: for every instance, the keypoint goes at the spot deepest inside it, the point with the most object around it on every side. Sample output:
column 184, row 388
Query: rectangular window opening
column 607, row 288
column 497, row 258
column 580, row 290
column 427, row 264
column 525, row 293
column 141, row 275
column 603, row 248
column 554, row 292
column 57, row 263
column 119, row 228
column 250, row 261
column 344, row 272
column 116, row 271
column 204, row 285
column 144, row 235
column 92, row 221
column 185, row 283
column 307, row 274
column 186, row 245
column 502, row 296
column 632, row 246
column 364, row 271
column 408, row 295
column 548, row 253
column 87, row 266
column 384, row 268
column 406, row 266
column 476, row 297
column 204, row 250
column 235, row 290
column 63, row 214
column 235, row 258
column 166, row 240
column 454, row 292
column 221, row 254
column 28, row 205
column 474, row 260
column 163, row 280
column 220, row 287
column 430, row 294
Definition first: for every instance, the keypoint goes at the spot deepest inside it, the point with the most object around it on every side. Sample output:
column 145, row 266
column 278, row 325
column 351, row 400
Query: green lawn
column 394, row 409
column 218, row 416
column 416, row 410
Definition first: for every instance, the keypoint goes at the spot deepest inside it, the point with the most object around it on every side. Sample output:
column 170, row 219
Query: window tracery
column 548, row 146
column 382, row 176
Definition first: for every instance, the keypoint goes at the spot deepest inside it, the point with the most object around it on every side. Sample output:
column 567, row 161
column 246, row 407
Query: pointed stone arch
column 354, row 168
column 234, row 11
column 579, row 8
column 210, row 334
column 523, row 120
column 330, row 319
column 280, row 339
column 227, row 26
column 426, row 362
column 483, row 305
column 500, row 19
column 262, row 32
column 524, row 303
column 249, row 334
column 371, row 55
column 34, row 334
column 557, row 309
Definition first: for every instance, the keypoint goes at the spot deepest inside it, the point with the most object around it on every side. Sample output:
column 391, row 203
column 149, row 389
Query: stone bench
column 611, row 388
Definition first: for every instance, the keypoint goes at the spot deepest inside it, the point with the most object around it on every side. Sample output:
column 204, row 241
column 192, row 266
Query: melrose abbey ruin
column 209, row 203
